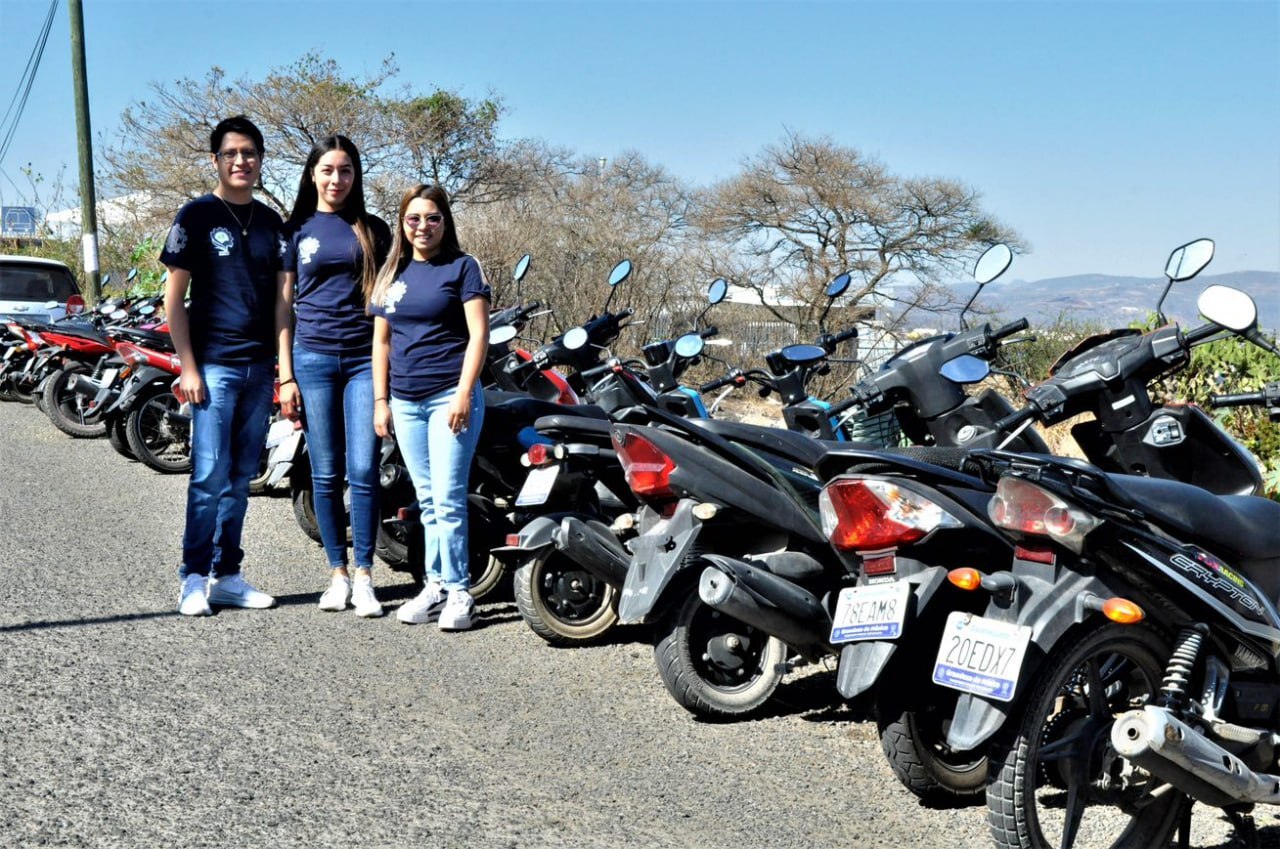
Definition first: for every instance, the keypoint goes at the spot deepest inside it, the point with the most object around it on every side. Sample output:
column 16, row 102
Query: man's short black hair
column 235, row 124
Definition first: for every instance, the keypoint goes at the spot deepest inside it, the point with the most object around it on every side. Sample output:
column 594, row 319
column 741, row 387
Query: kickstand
column 1184, row 827
column 1245, row 827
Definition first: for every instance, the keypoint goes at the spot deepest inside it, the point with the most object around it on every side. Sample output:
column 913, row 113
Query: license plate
column 870, row 613
column 981, row 656
column 537, row 486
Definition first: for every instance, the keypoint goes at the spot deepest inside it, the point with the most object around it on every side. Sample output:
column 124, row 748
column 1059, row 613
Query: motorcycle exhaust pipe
column 1174, row 752
column 772, row 604
column 600, row 554
column 82, row 384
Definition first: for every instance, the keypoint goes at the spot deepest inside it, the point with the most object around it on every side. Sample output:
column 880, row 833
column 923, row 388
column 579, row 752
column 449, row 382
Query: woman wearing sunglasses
column 332, row 250
column 430, row 334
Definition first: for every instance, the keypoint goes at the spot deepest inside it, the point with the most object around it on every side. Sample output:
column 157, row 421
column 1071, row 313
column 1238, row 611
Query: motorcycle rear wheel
column 914, row 739
column 65, row 407
column 561, row 602
column 154, row 436
column 713, row 665
column 1091, row 680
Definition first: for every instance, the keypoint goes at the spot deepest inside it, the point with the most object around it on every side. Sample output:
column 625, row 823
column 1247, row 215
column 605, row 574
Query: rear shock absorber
column 1177, row 674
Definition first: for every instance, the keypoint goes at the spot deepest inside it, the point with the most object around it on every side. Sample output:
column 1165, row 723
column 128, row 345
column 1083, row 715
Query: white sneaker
column 456, row 615
column 338, row 594
column 193, row 598
column 364, row 598
column 235, row 591
column 424, row 607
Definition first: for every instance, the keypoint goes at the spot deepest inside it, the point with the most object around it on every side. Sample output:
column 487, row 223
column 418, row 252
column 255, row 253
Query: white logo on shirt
column 282, row 246
column 177, row 239
column 222, row 241
column 307, row 249
column 394, row 293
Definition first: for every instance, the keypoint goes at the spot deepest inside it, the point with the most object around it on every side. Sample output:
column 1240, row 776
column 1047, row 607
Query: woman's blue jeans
column 337, row 416
column 228, row 432
column 439, row 462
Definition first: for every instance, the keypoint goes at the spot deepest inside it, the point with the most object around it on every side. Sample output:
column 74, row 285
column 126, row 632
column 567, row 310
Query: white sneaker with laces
column 457, row 612
column 338, row 593
column 364, row 598
column 193, row 598
column 235, row 591
column 424, row 607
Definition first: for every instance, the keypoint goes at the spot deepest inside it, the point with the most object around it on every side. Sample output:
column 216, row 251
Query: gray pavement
column 123, row 724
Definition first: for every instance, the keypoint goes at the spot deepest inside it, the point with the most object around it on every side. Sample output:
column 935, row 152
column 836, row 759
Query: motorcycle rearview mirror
column 502, row 335
column 106, row 280
column 107, row 308
column 717, row 290
column 689, row 345
column 835, row 289
column 620, row 272
column 802, row 355
column 994, row 261
column 164, row 277
column 522, row 268
column 118, row 315
column 965, row 368
column 1228, row 307
column 146, row 309
column 131, row 276
column 1185, row 262
column 575, row 338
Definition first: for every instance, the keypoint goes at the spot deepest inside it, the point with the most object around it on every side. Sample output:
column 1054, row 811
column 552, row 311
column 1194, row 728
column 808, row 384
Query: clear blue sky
column 1105, row 132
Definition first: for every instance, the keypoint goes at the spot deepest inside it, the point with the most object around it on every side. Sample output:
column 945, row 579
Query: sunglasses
column 413, row 222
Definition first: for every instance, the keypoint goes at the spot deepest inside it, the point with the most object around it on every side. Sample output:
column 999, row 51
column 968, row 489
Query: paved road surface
column 125, row 725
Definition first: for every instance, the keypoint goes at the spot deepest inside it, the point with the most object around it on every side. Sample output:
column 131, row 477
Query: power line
column 28, row 79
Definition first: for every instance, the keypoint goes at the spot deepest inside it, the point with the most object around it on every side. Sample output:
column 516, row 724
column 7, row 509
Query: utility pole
column 84, row 134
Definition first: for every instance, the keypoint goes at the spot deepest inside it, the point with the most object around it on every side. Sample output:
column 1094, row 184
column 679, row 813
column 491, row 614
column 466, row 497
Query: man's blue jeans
column 228, row 431
column 337, row 411
column 439, row 462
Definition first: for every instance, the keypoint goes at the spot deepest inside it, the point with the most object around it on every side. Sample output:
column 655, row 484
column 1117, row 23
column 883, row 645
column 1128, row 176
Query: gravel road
column 123, row 724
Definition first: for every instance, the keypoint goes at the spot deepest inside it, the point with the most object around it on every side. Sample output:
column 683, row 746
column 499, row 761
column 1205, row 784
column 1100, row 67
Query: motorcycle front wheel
column 715, row 666
column 1057, row 781
column 118, row 437
column 561, row 602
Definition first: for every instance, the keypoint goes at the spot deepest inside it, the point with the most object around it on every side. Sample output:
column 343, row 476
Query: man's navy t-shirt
column 233, row 277
column 429, row 325
column 329, row 298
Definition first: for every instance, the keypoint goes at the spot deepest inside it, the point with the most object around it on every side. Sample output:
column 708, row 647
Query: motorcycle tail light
column 1025, row 508
column 131, row 354
column 647, row 468
column 538, row 454
column 871, row 514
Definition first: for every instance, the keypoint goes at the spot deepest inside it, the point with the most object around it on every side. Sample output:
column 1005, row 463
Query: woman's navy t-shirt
column 328, row 298
column 428, row 324
column 233, row 277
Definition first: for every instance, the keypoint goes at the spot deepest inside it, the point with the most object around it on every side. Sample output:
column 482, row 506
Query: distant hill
column 1113, row 301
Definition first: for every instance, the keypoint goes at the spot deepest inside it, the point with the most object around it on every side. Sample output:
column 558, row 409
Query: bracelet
column 376, row 400
column 290, row 380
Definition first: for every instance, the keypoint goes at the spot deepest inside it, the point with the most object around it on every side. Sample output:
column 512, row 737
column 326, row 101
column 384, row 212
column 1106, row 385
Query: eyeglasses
column 249, row 155
column 413, row 222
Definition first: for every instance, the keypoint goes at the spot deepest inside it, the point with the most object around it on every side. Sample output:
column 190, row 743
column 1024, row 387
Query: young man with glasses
column 224, row 253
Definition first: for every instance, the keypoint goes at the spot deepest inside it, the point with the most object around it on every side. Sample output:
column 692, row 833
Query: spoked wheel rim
column 1077, row 791
column 166, row 439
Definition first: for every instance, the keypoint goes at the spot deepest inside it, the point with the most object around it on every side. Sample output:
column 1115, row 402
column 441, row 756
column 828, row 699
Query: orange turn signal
column 1123, row 611
column 965, row 579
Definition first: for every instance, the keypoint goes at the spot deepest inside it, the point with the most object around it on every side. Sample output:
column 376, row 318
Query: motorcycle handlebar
column 1243, row 399
column 1010, row 329
column 734, row 377
column 709, row 332
column 840, row 407
column 1014, row 419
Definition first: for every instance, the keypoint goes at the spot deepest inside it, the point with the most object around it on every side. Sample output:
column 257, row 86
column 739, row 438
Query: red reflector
column 883, row 564
column 538, row 454
column 1034, row 555
column 648, row 469
column 513, row 539
column 403, row 514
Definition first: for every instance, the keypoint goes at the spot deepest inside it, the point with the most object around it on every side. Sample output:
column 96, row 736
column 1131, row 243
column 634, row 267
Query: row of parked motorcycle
column 1090, row 644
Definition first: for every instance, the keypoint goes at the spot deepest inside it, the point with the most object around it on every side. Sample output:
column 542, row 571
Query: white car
column 38, row 289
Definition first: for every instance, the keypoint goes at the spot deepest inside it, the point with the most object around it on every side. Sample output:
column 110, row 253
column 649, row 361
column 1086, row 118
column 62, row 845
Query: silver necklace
column 244, row 228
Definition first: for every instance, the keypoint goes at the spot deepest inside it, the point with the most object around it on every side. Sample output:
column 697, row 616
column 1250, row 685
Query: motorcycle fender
column 658, row 558
column 1050, row 609
column 281, row 459
column 141, row 379
column 862, row 663
column 537, row 534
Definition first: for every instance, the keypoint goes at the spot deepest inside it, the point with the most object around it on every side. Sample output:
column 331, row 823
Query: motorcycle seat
column 571, row 424
column 801, row 449
column 153, row 339
column 1244, row 525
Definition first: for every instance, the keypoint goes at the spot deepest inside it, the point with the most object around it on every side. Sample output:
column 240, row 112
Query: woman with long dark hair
column 332, row 252
column 430, row 335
